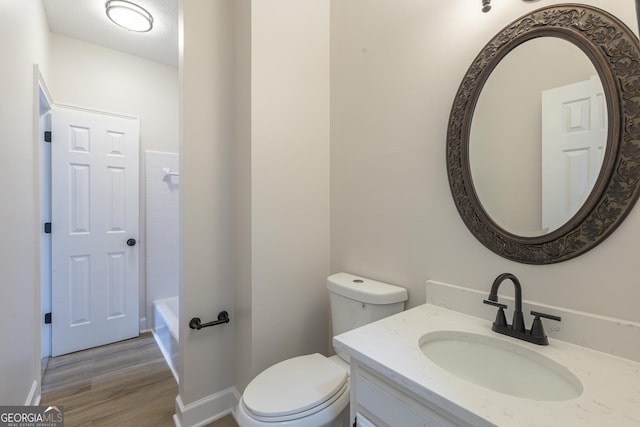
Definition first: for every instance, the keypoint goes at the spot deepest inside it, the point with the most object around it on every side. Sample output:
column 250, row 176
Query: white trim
column 33, row 398
column 42, row 84
column 42, row 102
column 206, row 410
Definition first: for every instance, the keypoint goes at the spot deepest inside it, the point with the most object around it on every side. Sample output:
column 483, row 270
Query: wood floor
column 126, row 384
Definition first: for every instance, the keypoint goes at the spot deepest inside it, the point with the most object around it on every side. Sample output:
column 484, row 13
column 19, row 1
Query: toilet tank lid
column 365, row 290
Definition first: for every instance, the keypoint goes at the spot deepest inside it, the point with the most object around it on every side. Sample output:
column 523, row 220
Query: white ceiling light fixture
column 129, row 16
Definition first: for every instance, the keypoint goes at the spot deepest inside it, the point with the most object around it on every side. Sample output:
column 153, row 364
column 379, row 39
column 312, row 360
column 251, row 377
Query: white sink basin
column 500, row 366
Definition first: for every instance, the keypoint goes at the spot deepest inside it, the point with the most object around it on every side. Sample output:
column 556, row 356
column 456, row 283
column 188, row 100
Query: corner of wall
column 207, row 409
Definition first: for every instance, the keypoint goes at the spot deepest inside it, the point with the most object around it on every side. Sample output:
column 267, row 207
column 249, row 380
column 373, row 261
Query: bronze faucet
column 517, row 329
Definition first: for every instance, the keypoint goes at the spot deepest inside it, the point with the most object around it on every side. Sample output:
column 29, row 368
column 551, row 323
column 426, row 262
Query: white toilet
column 313, row 390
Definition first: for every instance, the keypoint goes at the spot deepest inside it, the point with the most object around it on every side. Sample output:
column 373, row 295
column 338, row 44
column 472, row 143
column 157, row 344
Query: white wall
column 97, row 77
column 289, row 179
column 92, row 76
column 274, row 58
column 244, row 368
column 23, row 42
column 395, row 69
column 206, row 156
column 281, row 182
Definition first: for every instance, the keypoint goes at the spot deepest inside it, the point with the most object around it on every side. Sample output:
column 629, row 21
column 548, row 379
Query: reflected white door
column 95, row 162
column 574, row 134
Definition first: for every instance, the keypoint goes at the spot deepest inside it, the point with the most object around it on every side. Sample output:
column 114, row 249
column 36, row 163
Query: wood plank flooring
column 126, row 384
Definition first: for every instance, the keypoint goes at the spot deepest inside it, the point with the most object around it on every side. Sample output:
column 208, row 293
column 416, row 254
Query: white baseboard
column 143, row 324
column 206, row 410
column 33, row 398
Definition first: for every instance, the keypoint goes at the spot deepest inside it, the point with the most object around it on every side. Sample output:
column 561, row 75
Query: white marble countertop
column 611, row 395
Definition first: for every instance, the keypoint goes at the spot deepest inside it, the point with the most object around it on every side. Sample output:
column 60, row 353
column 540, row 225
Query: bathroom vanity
column 394, row 382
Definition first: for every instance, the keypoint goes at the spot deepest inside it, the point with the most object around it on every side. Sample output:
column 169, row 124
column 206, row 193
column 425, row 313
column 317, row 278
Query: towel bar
column 196, row 323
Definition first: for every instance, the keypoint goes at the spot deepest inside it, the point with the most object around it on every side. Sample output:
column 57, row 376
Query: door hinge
column 47, row 318
column 47, row 136
column 47, row 227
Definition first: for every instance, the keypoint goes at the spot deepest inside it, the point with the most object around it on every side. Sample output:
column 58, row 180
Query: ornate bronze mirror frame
column 615, row 53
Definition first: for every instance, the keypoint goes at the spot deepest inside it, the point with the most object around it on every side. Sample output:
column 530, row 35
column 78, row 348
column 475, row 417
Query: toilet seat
column 295, row 388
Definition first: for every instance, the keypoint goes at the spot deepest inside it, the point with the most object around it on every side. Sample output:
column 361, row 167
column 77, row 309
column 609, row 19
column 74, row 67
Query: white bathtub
column 166, row 331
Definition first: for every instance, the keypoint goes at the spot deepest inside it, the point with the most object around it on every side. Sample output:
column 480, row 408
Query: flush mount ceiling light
column 129, row 16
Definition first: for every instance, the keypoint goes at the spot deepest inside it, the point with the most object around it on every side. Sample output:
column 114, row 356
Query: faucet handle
column 546, row 316
column 501, row 319
column 537, row 330
column 495, row 303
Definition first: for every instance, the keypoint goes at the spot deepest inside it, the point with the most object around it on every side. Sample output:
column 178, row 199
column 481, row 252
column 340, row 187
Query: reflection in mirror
column 537, row 136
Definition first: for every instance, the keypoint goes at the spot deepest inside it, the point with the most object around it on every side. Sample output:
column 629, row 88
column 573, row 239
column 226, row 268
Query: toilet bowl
column 313, row 390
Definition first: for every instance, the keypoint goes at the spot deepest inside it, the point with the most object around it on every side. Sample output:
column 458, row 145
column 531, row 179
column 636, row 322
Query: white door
column 574, row 133
column 94, row 215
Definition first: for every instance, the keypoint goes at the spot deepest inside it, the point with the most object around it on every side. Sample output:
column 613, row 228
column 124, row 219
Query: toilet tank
column 357, row 301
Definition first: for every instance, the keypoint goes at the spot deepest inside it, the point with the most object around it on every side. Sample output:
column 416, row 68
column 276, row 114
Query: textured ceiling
column 87, row 20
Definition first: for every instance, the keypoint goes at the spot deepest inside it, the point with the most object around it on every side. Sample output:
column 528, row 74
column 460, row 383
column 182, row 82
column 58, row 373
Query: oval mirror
column 543, row 144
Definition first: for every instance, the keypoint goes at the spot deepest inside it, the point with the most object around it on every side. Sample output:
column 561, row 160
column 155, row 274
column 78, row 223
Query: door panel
column 95, row 161
column 574, row 132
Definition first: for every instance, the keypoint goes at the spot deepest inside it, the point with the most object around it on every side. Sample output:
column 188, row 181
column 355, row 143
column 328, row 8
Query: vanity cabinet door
column 382, row 405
